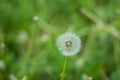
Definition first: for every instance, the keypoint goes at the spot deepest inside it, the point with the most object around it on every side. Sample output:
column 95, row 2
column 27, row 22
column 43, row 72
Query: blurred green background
column 28, row 46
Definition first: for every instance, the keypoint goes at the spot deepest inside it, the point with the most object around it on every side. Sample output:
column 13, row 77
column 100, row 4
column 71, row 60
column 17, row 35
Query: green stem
column 116, row 53
column 28, row 53
column 64, row 67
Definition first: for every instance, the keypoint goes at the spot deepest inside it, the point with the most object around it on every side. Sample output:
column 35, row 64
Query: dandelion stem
column 64, row 67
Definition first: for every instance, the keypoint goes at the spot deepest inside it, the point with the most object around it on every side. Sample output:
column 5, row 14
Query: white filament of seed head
column 69, row 44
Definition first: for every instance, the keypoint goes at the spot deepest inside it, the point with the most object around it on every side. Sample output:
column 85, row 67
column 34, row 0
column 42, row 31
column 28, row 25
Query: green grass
column 97, row 22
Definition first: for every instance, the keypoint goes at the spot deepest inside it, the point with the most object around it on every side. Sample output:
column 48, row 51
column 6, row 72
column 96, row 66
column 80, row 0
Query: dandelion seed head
column 69, row 44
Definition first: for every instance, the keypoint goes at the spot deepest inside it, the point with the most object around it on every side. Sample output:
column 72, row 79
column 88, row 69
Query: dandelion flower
column 69, row 44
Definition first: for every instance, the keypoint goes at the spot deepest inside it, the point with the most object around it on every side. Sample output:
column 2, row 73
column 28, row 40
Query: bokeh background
column 28, row 33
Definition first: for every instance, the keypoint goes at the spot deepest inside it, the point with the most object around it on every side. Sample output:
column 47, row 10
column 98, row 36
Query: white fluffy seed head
column 69, row 44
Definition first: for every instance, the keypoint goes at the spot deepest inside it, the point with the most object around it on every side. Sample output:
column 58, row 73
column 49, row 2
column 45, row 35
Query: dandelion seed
column 69, row 44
